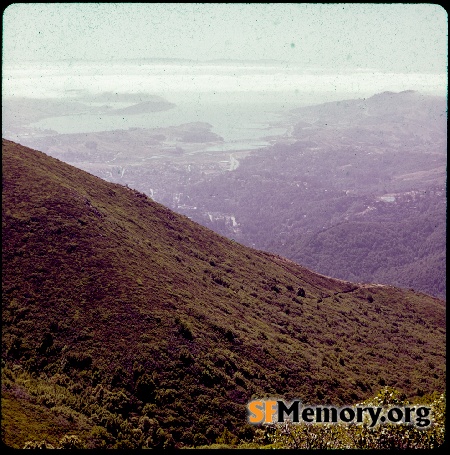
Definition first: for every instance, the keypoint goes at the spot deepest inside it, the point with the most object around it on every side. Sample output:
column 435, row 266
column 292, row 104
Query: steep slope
column 136, row 312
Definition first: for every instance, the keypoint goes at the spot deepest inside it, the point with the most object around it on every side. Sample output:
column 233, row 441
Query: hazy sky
column 387, row 37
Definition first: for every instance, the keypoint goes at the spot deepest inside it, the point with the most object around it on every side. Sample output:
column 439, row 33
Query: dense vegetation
column 128, row 326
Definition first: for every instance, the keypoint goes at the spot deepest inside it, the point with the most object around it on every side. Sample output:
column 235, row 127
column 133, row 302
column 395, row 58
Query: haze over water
column 224, row 94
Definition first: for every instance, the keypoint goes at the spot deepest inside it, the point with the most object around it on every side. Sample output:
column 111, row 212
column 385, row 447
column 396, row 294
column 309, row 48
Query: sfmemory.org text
column 270, row 411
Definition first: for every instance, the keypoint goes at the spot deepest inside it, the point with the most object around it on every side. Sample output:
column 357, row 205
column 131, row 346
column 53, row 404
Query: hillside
column 133, row 326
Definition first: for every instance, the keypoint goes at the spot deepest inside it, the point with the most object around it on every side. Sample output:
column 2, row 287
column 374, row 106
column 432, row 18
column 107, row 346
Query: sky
column 406, row 38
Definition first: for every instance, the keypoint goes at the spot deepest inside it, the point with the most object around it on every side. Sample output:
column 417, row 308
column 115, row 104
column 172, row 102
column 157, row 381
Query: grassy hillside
column 140, row 328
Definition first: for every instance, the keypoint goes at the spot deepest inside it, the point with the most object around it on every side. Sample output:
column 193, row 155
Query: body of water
column 232, row 121
column 242, row 101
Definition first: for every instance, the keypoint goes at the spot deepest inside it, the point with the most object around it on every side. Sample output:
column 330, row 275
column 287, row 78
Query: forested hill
column 129, row 325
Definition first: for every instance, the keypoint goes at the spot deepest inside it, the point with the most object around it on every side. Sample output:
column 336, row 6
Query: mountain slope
column 137, row 312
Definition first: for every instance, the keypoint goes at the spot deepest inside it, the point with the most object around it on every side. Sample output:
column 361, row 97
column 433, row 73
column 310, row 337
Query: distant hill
column 131, row 326
column 395, row 115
